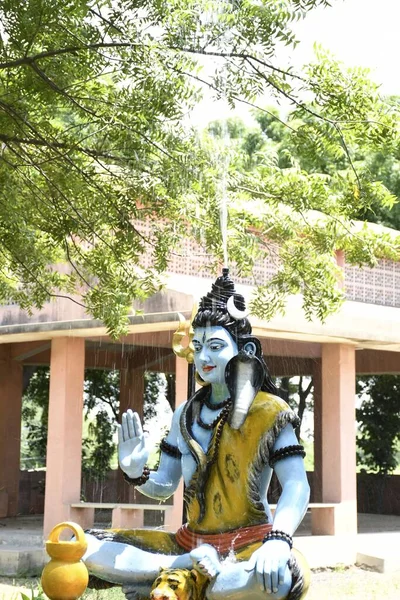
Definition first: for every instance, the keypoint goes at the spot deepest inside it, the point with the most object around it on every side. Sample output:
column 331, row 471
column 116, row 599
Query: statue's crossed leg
column 196, row 575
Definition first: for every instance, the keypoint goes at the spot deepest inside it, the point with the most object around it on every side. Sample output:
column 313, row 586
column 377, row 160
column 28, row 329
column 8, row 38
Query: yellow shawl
column 224, row 492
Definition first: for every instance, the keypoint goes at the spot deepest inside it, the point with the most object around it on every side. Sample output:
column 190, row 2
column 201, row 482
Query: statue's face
column 213, row 349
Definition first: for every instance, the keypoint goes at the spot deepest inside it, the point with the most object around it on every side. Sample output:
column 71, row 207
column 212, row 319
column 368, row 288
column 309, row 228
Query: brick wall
column 378, row 285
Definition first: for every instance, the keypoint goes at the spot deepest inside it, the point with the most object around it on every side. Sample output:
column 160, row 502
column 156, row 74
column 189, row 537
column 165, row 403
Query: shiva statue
column 225, row 441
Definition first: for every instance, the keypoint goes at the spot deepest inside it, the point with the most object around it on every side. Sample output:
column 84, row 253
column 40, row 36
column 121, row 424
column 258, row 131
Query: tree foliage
column 101, row 413
column 35, row 417
column 306, row 190
column 252, row 146
column 298, row 393
column 379, row 422
column 380, row 166
column 94, row 143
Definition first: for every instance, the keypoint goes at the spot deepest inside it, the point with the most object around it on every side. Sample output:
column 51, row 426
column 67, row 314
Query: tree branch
column 34, row 277
column 237, row 98
column 28, row 60
column 241, row 55
column 58, row 90
column 43, row 143
column 107, row 21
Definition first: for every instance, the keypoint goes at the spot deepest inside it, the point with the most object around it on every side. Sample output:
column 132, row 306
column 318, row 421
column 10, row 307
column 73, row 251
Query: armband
column 169, row 449
column 295, row 450
column 136, row 481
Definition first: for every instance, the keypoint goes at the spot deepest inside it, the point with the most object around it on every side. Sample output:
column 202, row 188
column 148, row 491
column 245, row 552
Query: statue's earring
column 250, row 349
column 200, row 381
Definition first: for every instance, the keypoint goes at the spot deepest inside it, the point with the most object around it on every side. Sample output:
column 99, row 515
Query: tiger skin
column 179, row 584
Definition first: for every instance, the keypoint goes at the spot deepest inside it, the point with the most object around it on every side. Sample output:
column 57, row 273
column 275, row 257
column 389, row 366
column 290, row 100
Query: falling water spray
column 223, row 200
column 223, row 196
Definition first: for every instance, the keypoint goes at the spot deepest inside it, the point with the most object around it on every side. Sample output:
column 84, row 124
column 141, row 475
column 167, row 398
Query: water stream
column 223, row 200
column 224, row 161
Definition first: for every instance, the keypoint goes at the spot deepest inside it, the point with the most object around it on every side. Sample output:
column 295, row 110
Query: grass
column 18, row 591
column 341, row 583
column 31, row 588
column 111, row 594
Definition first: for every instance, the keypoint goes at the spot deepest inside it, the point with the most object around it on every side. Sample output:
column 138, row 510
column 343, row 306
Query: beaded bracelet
column 136, row 481
column 276, row 534
column 295, row 450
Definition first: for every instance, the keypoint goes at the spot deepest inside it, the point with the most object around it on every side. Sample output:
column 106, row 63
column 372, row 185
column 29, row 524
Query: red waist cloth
column 223, row 542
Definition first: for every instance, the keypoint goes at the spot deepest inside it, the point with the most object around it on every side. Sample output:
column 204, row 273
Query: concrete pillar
column 317, row 394
column 64, row 441
column 131, row 389
column 339, row 484
column 123, row 518
column 173, row 517
column 131, row 396
column 10, row 431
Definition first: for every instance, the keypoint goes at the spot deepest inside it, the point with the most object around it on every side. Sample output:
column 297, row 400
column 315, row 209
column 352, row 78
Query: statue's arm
column 163, row 482
column 270, row 562
column 293, row 502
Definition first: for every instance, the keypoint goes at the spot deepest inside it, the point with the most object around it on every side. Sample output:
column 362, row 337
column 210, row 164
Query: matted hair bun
column 221, row 291
column 213, row 308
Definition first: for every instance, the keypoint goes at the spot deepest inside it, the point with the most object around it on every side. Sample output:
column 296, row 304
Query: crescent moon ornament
column 234, row 311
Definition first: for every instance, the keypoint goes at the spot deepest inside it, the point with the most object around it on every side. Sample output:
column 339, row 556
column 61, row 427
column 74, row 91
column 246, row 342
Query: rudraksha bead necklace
column 210, row 426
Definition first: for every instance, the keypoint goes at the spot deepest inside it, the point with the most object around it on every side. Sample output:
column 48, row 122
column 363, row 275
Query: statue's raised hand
column 132, row 452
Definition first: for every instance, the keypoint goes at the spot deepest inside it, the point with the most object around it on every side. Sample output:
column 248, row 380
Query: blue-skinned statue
column 225, row 442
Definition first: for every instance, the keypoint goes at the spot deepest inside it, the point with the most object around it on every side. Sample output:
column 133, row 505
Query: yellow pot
column 65, row 577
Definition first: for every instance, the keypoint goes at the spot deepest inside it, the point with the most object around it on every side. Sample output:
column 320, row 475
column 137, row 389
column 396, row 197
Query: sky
column 358, row 32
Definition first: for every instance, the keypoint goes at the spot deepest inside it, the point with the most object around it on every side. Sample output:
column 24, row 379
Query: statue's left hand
column 270, row 562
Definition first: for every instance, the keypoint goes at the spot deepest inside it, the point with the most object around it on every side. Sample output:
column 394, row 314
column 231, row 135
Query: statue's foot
column 206, row 561
column 135, row 592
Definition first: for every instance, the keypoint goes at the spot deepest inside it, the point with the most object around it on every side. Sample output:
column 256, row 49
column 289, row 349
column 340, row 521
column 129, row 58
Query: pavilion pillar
column 317, row 395
column 10, row 431
column 173, row 518
column 339, row 484
column 131, row 396
column 131, row 389
column 64, row 441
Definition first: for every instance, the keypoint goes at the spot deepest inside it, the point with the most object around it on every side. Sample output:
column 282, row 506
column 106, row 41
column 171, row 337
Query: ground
column 353, row 583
